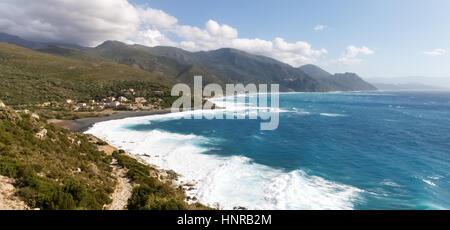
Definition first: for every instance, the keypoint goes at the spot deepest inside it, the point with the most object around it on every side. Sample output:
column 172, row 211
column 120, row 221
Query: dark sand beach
column 81, row 125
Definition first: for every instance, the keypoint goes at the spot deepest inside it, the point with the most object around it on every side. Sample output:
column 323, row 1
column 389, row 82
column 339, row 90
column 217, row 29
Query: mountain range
column 410, row 82
column 406, row 86
column 222, row 66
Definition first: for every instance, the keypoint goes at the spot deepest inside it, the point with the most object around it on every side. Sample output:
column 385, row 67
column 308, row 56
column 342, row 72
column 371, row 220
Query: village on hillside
column 126, row 102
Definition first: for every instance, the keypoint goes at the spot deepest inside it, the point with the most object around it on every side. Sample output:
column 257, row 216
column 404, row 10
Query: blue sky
column 399, row 32
column 378, row 38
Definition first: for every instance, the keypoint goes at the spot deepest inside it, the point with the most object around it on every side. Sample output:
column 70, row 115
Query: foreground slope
column 53, row 168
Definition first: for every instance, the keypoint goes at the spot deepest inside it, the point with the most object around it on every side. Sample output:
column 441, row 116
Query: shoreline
column 194, row 183
column 83, row 124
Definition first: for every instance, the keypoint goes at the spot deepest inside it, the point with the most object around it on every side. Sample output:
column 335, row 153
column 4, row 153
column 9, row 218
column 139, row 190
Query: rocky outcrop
column 8, row 201
column 42, row 134
column 7, row 113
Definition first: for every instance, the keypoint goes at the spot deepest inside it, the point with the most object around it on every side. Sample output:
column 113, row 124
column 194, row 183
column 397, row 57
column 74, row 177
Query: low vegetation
column 58, row 169
column 53, row 168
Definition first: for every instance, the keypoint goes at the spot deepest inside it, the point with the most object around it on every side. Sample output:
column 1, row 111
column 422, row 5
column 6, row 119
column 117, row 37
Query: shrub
column 45, row 169
column 9, row 169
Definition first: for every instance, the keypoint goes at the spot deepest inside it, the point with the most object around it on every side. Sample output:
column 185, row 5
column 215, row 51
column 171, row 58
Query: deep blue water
column 393, row 145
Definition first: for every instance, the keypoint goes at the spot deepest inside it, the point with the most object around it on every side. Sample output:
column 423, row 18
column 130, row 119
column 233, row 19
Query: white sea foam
column 332, row 115
column 429, row 182
column 300, row 111
column 228, row 181
column 390, row 183
column 436, row 177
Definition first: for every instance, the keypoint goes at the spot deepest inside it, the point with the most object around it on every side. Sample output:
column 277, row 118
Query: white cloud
column 89, row 22
column 223, row 31
column 157, row 18
column 151, row 37
column 85, row 22
column 352, row 55
column 319, row 27
column 215, row 36
column 436, row 52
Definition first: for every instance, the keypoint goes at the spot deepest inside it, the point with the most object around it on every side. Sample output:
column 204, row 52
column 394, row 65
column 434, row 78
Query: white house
column 114, row 104
column 140, row 100
column 109, row 99
column 122, row 99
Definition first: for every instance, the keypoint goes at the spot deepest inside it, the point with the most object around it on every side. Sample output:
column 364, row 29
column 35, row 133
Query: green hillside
column 220, row 66
column 55, row 168
column 138, row 56
column 29, row 77
column 243, row 67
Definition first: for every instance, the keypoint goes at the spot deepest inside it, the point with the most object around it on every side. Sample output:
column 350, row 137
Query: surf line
column 268, row 115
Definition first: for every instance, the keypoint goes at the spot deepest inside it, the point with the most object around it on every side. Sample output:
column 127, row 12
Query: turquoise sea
column 356, row 150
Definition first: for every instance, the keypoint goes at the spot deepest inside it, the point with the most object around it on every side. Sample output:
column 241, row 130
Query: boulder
column 42, row 134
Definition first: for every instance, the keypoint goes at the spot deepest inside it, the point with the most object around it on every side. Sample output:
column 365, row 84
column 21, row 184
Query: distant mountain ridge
column 411, row 82
column 407, row 86
column 16, row 40
column 220, row 66
column 248, row 68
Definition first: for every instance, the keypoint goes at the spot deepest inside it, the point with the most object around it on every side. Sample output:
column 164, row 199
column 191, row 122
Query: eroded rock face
column 8, row 201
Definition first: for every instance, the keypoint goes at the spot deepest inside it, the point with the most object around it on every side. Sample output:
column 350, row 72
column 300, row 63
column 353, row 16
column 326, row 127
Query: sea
column 340, row 150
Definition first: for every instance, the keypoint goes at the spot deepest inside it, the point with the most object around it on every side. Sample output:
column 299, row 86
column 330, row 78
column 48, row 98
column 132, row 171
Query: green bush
column 151, row 194
column 9, row 169
column 145, row 197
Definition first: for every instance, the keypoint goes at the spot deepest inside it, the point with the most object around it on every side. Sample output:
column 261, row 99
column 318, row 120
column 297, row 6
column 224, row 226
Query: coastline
column 194, row 184
column 222, row 181
column 123, row 190
column 83, row 124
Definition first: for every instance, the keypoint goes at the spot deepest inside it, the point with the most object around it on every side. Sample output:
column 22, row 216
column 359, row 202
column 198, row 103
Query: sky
column 376, row 39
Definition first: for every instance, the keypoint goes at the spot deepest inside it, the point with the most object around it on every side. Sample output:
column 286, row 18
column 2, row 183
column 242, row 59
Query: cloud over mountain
column 353, row 54
column 88, row 22
column 76, row 21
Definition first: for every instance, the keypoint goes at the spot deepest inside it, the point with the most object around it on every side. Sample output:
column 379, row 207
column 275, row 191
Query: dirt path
column 123, row 189
column 8, row 201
